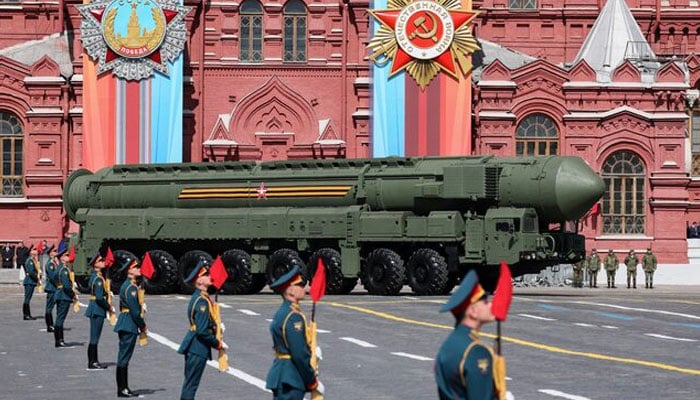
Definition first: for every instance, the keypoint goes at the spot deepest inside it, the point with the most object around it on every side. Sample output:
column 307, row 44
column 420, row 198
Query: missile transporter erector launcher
column 389, row 222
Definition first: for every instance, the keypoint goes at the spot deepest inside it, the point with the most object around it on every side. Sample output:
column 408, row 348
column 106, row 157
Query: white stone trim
column 497, row 84
column 496, row 114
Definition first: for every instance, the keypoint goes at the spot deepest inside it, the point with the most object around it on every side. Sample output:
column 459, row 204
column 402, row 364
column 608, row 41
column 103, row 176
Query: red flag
column 147, row 269
column 218, row 273
column 40, row 247
column 318, row 283
column 109, row 258
column 595, row 210
column 71, row 255
column 504, row 293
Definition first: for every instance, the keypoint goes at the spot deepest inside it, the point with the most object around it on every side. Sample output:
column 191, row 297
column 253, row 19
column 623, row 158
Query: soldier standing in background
column 611, row 266
column 631, row 262
column 50, row 286
column 22, row 254
column 649, row 266
column 578, row 273
column 593, row 264
column 31, row 279
column 8, row 254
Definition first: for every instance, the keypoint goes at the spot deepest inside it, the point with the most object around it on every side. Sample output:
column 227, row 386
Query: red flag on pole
column 40, row 247
column 504, row 293
column 71, row 255
column 318, row 283
column 109, row 258
column 147, row 269
column 218, row 273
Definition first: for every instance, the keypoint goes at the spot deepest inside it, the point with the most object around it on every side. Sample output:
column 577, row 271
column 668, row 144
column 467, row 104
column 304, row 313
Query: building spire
column 615, row 36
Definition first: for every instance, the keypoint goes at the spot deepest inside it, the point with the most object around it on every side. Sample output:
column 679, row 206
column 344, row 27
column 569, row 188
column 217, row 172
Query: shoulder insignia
column 132, row 292
column 483, row 364
column 202, row 308
column 99, row 283
column 297, row 326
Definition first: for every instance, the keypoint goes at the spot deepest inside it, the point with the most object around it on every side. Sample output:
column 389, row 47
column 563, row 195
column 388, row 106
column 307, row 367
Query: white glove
column 319, row 353
column 224, row 346
column 320, row 388
column 223, row 327
column 145, row 307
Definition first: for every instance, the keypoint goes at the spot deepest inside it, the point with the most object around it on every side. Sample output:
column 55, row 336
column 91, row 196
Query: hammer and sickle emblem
column 422, row 31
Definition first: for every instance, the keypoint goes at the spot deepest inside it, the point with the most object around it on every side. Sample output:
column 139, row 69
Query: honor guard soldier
column 32, row 273
column 65, row 295
column 631, row 262
column 50, row 286
column 593, row 263
column 649, row 267
column 611, row 265
column 197, row 344
column 129, row 324
column 464, row 364
column 97, row 310
column 291, row 374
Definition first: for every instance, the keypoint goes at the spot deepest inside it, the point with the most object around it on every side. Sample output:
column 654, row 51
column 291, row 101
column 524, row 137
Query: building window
column 536, row 136
column 251, row 31
column 623, row 202
column 523, row 4
column 12, row 138
column 695, row 142
column 294, row 31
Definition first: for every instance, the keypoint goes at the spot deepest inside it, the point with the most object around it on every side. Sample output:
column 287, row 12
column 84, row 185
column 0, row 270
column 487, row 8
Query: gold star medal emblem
column 424, row 37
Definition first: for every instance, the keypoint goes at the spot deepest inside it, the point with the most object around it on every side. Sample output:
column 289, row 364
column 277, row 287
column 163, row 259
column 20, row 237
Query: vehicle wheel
column 187, row 263
column 383, row 273
column 452, row 280
column 240, row 279
column 334, row 273
column 165, row 278
column 427, row 272
column 120, row 258
column 281, row 262
column 259, row 282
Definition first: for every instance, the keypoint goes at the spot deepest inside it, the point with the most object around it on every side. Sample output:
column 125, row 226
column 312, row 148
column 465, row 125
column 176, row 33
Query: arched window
column 536, row 136
column 251, row 31
column 623, row 202
column 12, row 137
column 294, row 31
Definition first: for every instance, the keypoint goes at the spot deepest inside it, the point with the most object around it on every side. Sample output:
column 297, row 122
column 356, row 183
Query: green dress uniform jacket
column 201, row 337
column 292, row 364
column 64, row 288
column 130, row 319
column 464, row 367
column 31, row 277
column 99, row 303
column 51, row 277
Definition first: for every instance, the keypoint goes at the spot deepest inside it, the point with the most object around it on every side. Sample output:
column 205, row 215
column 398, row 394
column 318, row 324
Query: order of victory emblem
column 424, row 37
column 133, row 38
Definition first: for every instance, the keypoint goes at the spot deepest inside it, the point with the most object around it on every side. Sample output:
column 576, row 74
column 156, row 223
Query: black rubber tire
column 117, row 278
column 334, row 272
column 427, row 272
column 452, row 280
column 186, row 264
column 259, row 282
column 165, row 276
column 383, row 273
column 281, row 262
column 240, row 279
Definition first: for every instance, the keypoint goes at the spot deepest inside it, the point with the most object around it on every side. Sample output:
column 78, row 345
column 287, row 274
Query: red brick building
column 544, row 84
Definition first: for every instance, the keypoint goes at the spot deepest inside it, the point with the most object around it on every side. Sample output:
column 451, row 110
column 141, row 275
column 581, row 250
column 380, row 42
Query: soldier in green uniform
column 649, row 267
column 578, row 273
column 31, row 279
column 97, row 310
column 464, row 364
column 593, row 264
column 129, row 324
column 201, row 338
column 50, row 286
column 611, row 265
column 291, row 374
column 631, row 262
column 65, row 295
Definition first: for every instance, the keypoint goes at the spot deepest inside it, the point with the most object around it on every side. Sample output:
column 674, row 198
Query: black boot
column 93, row 364
column 57, row 337
column 122, row 389
column 26, row 313
column 49, row 322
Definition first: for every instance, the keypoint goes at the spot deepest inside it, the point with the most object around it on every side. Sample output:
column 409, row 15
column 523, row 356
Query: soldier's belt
column 282, row 356
column 60, row 286
column 124, row 309
column 93, row 298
